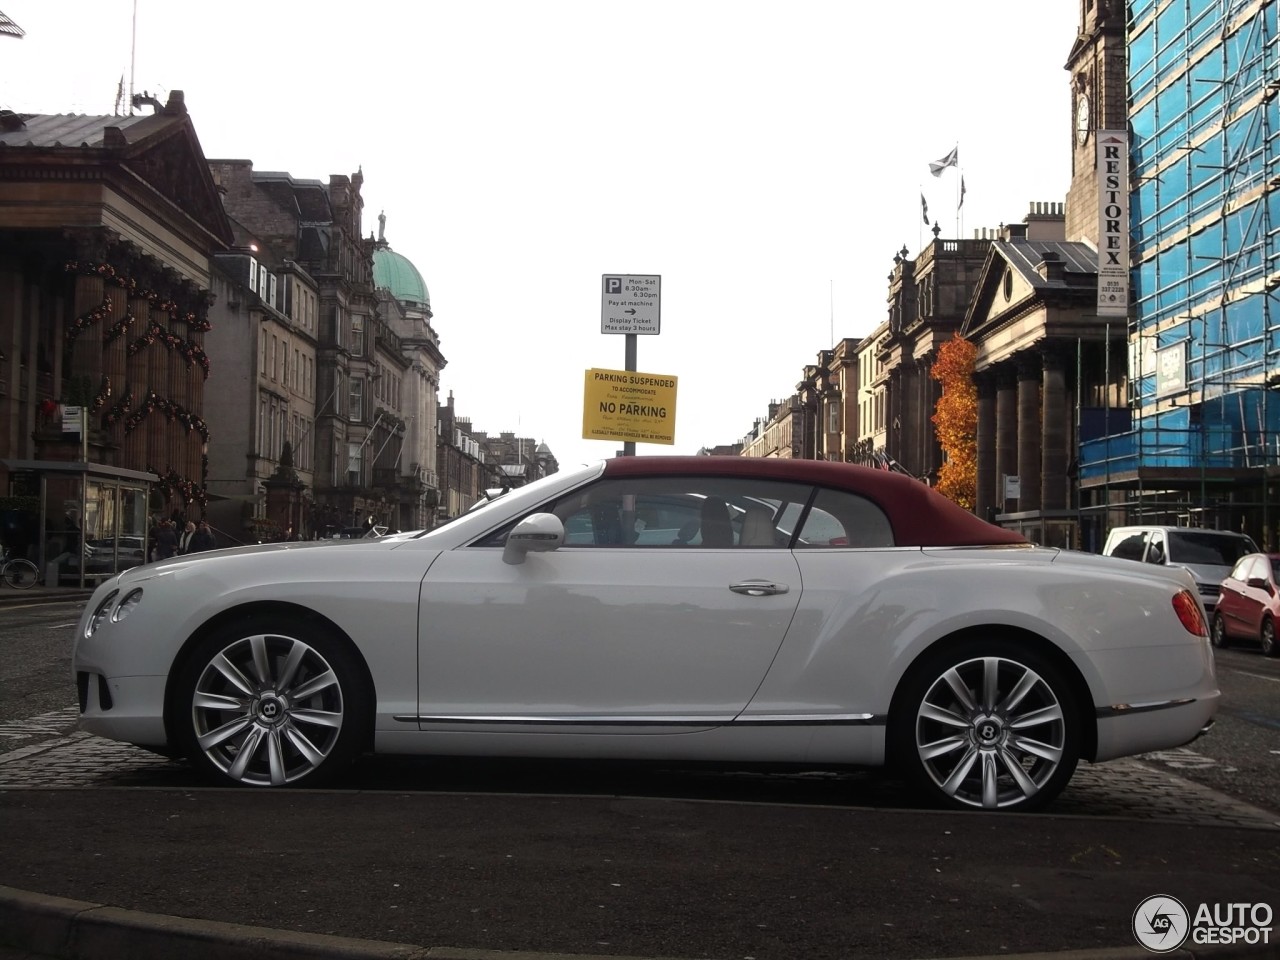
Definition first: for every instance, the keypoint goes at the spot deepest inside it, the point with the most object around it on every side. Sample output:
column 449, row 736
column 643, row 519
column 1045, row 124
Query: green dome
column 397, row 274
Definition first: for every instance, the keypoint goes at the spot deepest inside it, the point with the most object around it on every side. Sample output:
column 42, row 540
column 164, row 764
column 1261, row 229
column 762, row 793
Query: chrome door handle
column 759, row 588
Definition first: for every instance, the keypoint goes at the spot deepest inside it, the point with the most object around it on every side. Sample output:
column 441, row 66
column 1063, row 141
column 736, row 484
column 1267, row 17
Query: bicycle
column 19, row 573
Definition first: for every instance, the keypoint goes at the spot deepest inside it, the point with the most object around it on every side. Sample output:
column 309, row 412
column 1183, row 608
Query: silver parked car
column 1208, row 555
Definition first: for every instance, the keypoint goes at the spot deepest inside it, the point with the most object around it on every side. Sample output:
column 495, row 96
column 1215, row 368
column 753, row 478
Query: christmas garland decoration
column 86, row 320
column 191, row 351
column 109, row 274
column 172, row 411
column 172, row 482
column 104, row 391
column 106, row 271
column 118, row 410
column 119, row 328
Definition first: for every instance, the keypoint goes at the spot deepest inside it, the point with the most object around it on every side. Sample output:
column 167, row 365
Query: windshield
column 1215, row 549
column 529, row 490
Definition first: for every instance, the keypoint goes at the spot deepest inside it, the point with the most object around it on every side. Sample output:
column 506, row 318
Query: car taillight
column 1187, row 608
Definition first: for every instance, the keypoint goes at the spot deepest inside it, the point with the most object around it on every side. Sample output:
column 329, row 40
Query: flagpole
column 960, row 171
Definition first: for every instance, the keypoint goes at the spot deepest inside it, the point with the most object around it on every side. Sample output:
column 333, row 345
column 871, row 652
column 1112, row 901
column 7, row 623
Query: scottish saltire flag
column 950, row 160
column 961, row 203
column 924, row 209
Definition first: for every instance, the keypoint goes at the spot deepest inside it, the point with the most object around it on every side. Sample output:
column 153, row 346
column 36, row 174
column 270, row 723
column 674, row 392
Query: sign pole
column 629, row 364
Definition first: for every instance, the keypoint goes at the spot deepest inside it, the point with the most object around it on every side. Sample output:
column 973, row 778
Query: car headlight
column 100, row 614
column 131, row 600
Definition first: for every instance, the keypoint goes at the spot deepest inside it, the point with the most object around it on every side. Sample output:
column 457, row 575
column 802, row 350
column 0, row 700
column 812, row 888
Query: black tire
column 291, row 692
column 1218, row 633
column 984, row 751
column 21, row 574
column 1267, row 636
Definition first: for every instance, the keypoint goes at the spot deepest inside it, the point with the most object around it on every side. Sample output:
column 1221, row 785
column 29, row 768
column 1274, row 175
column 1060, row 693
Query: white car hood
column 159, row 567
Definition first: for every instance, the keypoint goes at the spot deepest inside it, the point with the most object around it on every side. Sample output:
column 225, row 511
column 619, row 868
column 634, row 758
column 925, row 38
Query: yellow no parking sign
column 629, row 406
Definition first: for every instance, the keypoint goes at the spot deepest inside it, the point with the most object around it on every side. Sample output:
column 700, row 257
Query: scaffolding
column 1203, row 441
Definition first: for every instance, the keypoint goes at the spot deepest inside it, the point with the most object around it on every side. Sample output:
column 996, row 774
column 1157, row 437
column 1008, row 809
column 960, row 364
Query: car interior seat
column 757, row 528
column 716, row 529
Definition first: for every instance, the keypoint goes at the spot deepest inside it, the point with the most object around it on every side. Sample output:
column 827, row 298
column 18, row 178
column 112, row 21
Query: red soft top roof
column 919, row 515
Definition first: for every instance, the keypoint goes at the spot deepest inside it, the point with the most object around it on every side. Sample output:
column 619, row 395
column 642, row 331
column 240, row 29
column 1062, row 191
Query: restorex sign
column 1113, row 223
column 629, row 406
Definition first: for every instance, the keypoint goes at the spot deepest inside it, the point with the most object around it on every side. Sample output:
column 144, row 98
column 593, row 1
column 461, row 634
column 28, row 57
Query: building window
column 833, row 416
column 356, row 412
column 262, row 425
column 357, row 335
column 355, row 454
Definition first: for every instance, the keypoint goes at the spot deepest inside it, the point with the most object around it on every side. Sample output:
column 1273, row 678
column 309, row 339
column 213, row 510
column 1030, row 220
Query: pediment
column 174, row 167
column 1002, row 293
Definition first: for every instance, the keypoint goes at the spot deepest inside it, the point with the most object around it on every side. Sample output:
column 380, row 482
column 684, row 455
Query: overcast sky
column 765, row 159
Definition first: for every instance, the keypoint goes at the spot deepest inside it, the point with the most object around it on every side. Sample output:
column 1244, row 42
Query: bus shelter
column 91, row 522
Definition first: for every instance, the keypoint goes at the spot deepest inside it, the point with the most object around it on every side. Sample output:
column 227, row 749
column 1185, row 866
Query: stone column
column 157, row 378
column 1006, row 433
column 1030, row 371
column 127, row 379
column 1055, row 432
column 986, row 498
column 90, row 318
column 909, row 416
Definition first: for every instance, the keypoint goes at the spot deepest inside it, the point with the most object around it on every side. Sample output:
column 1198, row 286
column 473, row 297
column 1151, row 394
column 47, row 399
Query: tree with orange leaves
column 956, row 420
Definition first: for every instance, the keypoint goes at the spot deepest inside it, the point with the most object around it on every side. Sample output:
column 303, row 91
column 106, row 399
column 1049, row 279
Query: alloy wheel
column 267, row 710
column 1218, row 631
column 991, row 732
column 1269, row 637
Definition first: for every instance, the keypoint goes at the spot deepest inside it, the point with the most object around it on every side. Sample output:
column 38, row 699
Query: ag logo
column 1161, row 924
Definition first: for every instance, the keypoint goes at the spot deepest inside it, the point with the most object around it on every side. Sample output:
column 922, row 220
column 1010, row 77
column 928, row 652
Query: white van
column 1209, row 555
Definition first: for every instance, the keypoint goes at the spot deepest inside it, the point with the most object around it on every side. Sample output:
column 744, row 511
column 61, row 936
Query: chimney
column 1051, row 266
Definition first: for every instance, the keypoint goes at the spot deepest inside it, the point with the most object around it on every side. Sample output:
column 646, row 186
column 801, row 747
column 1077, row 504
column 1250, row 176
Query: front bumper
column 122, row 708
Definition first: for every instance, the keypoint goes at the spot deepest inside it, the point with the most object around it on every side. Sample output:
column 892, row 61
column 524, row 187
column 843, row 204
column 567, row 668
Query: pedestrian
column 202, row 539
column 153, row 537
column 71, row 531
column 166, row 540
column 184, row 541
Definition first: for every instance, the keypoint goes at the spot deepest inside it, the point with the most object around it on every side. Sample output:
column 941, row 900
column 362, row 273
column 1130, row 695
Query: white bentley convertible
column 674, row 608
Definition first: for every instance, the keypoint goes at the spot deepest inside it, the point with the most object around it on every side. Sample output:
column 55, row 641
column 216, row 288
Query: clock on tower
column 1082, row 118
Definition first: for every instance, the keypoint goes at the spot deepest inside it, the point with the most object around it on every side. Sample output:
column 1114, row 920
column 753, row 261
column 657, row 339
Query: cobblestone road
column 1131, row 788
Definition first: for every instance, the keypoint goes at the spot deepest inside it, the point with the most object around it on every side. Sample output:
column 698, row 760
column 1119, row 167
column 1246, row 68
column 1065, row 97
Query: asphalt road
column 630, row 860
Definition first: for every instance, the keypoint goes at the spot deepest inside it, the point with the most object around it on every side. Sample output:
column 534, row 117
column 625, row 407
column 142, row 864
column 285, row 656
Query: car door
column 1256, row 594
column 1232, row 602
column 635, row 621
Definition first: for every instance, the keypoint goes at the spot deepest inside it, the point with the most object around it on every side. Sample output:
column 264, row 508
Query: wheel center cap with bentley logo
column 271, row 709
column 988, row 730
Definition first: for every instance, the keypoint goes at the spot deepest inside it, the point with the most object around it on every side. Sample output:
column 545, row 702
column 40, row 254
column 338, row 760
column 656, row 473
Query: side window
column 1259, row 568
column 1241, row 571
column 696, row 511
column 839, row 519
column 1130, row 548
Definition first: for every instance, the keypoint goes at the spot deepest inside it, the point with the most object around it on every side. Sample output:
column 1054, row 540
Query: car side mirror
column 536, row 533
column 1259, row 583
column 1155, row 554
